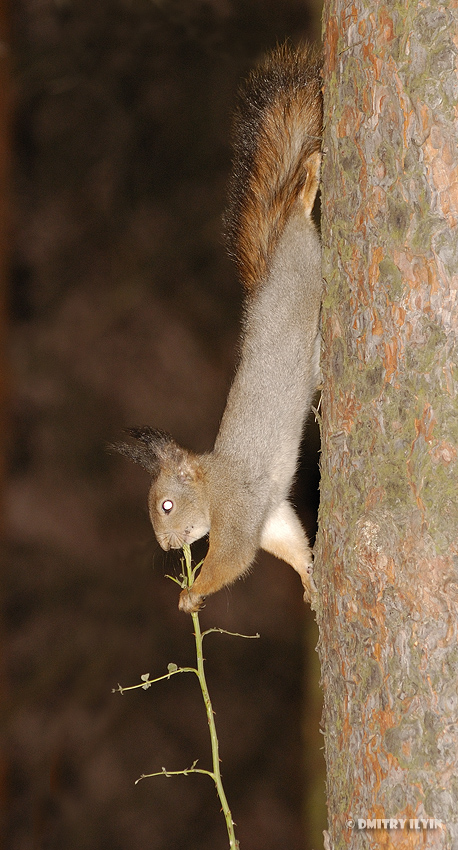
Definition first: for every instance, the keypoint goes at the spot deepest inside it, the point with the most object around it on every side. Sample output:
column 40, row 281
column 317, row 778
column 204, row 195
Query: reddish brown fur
column 277, row 127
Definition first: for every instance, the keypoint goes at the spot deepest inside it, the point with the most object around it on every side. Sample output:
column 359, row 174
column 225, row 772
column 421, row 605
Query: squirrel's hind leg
column 283, row 536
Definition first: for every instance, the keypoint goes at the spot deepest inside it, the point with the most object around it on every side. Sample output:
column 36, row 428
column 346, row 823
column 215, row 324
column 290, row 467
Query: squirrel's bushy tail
column 278, row 125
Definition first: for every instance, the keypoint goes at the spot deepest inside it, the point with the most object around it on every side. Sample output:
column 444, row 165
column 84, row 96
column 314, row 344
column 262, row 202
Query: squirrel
column 239, row 491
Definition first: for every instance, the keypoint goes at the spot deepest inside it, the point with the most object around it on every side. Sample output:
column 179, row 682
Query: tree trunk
column 387, row 549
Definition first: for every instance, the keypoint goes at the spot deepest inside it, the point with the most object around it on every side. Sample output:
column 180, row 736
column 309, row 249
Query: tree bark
column 387, row 549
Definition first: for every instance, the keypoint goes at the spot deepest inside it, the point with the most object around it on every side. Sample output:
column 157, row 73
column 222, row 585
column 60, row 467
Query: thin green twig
column 234, row 634
column 216, row 773
column 165, row 772
column 147, row 682
column 189, row 574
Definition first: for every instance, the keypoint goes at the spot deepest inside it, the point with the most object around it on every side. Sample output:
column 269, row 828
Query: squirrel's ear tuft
column 155, row 449
column 138, row 454
column 149, row 436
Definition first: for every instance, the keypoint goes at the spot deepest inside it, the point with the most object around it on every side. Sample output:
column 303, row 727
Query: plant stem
column 233, row 843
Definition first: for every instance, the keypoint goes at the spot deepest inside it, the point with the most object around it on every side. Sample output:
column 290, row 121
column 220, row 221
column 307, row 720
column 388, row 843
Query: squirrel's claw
column 190, row 602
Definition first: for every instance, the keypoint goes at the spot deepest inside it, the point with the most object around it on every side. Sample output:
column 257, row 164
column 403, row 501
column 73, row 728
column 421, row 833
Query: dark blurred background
column 123, row 309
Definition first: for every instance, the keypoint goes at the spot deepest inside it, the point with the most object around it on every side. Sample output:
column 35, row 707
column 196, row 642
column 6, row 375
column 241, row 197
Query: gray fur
column 239, row 492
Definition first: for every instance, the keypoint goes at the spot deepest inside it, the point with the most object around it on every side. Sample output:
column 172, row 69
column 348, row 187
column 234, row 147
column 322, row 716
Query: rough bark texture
column 386, row 555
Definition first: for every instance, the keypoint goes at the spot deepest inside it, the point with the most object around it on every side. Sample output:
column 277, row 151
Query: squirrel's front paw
column 190, row 602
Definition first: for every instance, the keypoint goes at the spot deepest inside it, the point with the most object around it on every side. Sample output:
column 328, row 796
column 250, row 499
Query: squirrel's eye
column 167, row 506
